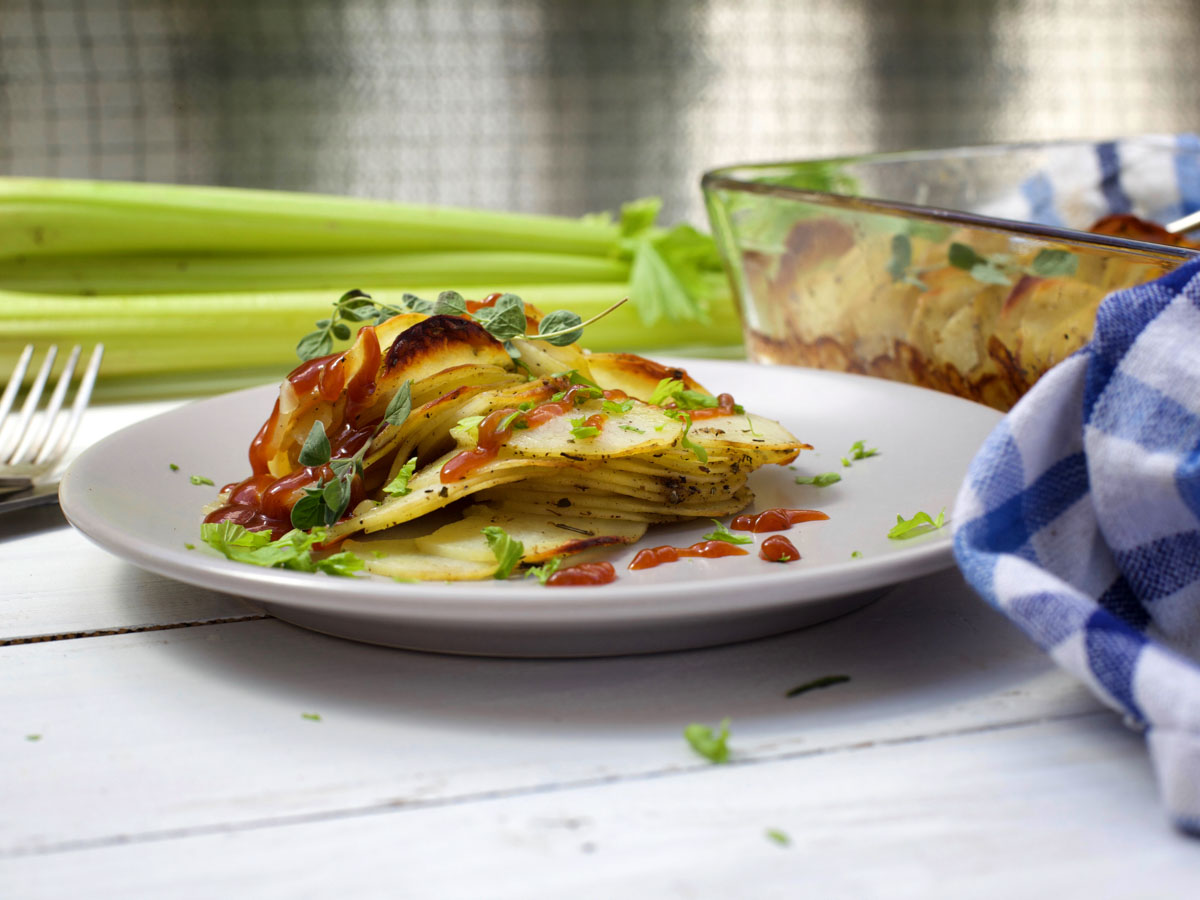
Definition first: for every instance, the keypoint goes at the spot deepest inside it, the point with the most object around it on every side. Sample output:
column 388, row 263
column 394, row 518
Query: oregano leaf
column 316, row 449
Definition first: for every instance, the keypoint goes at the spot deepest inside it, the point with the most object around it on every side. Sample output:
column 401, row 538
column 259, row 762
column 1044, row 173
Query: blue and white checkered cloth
column 1080, row 520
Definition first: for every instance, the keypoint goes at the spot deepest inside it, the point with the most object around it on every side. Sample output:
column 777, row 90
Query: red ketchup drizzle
column 264, row 500
column 474, row 306
column 492, row 438
column 656, row 556
column 775, row 520
column 724, row 407
column 777, row 548
column 583, row 574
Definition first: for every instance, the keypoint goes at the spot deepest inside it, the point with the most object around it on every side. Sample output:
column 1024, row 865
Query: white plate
column 122, row 494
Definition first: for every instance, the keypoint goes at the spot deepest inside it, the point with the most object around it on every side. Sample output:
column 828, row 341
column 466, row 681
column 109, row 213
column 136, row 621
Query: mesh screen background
column 564, row 107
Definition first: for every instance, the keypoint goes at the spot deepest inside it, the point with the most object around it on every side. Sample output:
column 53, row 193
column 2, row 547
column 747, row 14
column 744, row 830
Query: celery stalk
column 92, row 275
column 191, row 342
column 56, row 217
column 192, row 289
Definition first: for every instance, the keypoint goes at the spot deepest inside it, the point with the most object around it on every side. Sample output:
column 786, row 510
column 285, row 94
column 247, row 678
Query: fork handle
column 14, row 484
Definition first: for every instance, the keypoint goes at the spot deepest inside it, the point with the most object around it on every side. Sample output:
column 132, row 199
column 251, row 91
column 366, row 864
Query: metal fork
column 33, row 441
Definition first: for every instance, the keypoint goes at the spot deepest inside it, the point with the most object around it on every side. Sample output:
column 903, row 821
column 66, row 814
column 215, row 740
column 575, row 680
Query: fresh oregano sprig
column 504, row 320
column 353, row 307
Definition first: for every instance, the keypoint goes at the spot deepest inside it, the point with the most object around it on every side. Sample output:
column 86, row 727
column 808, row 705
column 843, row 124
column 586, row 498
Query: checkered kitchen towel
column 1080, row 520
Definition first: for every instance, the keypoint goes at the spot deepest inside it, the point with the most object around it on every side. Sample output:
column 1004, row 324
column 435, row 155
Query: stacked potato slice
column 554, row 487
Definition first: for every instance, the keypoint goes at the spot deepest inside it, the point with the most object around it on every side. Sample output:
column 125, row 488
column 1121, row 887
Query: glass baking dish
column 968, row 270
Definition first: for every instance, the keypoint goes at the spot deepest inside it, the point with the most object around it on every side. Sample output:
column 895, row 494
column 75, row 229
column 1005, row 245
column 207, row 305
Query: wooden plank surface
column 1048, row 809
column 58, row 582
column 203, row 726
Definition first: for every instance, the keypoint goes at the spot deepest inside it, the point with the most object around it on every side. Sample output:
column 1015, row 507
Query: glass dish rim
column 723, row 178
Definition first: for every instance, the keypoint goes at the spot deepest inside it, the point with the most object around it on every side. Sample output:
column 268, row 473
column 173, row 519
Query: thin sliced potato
column 610, row 506
column 668, row 487
column 387, row 332
column 542, row 537
column 426, row 348
column 427, row 493
column 635, row 375
column 428, row 426
column 638, row 436
column 401, row 559
column 543, row 358
column 765, row 438
column 447, row 380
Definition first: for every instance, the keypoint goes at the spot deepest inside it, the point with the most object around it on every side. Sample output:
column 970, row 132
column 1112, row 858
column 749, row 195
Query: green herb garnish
column 450, row 303
column 721, row 533
column 856, row 554
column 921, row 523
column 504, row 320
column 352, row 307
column 173, row 467
column 399, row 408
column 1000, row 269
column 616, row 408
column 982, row 269
column 543, row 572
column 632, row 428
column 33, row 737
column 858, row 450
column 399, row 484
column 312, row 717
column 823, row 480
column 712, row 746
column 684, row 441
column 199, row 479
column 326, row 501
column 292, row 551
column 580, row 430
column 468, row 427
column 1054, row 264
column 560, row 328
column 316, row 449
column 514, row 419
column 816, row 684
column 779, row 837
column 672, row 390
column 507, row 550
column 573, row 377
column 688, row 399
column 901, row 259
column 187, row 546
column 664, row 391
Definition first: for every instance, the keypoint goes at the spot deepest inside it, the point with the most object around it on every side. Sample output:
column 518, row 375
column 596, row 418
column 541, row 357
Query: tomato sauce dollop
column 656, row 556
column 777, row 548
column 583, row 575
column 778, row 519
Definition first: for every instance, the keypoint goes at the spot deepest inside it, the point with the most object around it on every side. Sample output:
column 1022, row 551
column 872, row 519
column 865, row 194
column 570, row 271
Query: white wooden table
column 158, row 740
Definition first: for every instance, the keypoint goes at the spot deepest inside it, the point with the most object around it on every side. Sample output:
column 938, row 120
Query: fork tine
column 51, row 452
column 37, row 438
column 14, row 385
column 27, row 409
